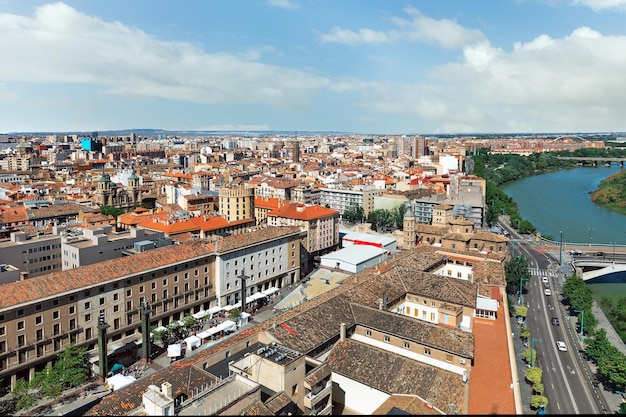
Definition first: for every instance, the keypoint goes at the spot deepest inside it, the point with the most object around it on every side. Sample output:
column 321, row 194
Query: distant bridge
column 593, row 269
column 592, row 160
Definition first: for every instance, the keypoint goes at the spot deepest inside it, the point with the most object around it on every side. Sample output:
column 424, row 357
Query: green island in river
column 611, row 193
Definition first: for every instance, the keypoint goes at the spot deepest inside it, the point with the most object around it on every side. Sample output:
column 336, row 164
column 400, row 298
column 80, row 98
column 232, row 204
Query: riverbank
column 611, row 193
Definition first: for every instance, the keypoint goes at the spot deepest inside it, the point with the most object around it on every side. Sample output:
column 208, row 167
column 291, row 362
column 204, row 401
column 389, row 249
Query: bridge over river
column 591, row 269
column 594, row 161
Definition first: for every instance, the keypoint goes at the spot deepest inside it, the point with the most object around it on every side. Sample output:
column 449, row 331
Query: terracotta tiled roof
column 374, row 367
column 403, row 275
column 303, row 212
column 13, row 214
column 184, row 378
column 449, row 339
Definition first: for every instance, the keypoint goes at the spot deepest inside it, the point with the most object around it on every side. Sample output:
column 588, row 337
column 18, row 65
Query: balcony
column 318, row 392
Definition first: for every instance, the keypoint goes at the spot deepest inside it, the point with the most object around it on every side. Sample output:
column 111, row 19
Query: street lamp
column 518, row 226
column 561, row 248
column 521, row 300
column 532, row 351
column 582, row 322
column 590, row 230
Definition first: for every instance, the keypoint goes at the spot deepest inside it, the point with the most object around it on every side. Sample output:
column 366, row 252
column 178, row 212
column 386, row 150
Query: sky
column 360, row 66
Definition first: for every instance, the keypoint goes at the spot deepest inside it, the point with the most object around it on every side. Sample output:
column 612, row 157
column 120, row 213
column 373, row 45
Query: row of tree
column 380, row 219
column 70, row 370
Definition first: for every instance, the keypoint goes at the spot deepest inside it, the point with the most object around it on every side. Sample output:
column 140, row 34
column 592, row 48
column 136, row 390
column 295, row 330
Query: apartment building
column 33, row 255
column 98, row 244
column 320, row 224
column 236, row 202
column 39, row 316
column 341, row 199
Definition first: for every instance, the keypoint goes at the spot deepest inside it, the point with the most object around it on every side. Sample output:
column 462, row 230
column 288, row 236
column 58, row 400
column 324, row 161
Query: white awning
column 118, row 381
column 193, row 342
column 237, row 304
column 228, row 325
column 270, row 291
column 486, row 304
column 228, row 307
column 215, row 309
column 204, row 334
column 174, row 351
column 199, row 315
column 255, row 296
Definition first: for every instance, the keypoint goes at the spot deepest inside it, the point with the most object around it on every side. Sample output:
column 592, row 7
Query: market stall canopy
column 118, row 381
column 270, row 291
column 199, row 315
column 174, row 351
column 215, row 309
column 193, row 342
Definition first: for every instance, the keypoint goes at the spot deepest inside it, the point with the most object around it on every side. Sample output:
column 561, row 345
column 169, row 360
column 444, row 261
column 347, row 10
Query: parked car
column 547, row 291
column 561, row 346
column 599, row 253
column 555, row 321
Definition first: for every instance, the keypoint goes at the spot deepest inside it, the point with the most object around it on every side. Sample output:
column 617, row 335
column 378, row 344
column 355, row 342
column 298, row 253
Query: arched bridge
column 594, row 269
column 592, row 160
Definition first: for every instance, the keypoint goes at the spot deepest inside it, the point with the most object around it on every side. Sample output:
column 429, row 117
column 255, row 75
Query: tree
column 20, row 391
column 538, row 388
column 538, row 401
column 522, row 311
column 525, row 333
column 533, row 375
column 111, row 211
column 354, row 214
column 515, row 268
column 529, row 355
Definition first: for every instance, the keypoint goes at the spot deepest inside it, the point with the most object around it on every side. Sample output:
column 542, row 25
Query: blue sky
column 363, row 66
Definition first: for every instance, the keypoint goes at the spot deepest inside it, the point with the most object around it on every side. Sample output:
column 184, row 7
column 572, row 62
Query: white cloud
column 284, row 4
column 349, row 37
column 445, row 33
column 566, row 84
column 599, row 5
column 62, row 45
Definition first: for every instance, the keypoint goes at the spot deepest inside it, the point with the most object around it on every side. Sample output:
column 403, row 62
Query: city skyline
column 368, row 67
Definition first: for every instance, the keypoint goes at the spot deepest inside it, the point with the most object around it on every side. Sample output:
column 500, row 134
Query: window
column 39, row 334
column 21, row 340
column 386, row 339
column 130, row 292
column 87, row 305
column 71, row 310
column 406, row 345
column 427, row 351
column 101, row 300
column 153, row 286
column 20, row 312
column 116, row 297
column 87, row 317
column 368, row 333
column 20, row 325
column 72, row 324
column 87, row 333
column 2, row 331
column 38, row 319
column 294, row 390
column 56, row 329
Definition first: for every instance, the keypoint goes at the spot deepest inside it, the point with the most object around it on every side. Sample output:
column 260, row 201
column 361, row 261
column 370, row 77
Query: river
column 560, row 202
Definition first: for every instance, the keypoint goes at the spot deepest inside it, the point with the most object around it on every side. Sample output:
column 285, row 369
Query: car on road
column 544, row 279
column 575, row 252
column 599, row 253
column 547, row 291
column 560, row 345
column 555, row 321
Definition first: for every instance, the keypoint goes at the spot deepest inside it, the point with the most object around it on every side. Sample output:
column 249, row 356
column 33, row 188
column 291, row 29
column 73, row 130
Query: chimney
column 342, row 332
column 166, row 389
